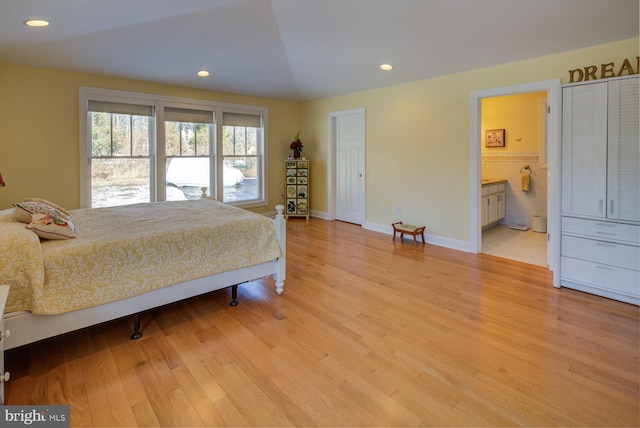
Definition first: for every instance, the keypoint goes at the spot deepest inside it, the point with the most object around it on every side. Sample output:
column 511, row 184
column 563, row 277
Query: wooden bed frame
column 27, row 328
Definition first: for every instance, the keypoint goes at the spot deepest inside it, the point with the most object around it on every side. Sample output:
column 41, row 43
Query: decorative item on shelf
column 296, row 146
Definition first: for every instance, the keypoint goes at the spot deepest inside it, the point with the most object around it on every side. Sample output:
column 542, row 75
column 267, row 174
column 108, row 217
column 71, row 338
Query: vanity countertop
column 487, row 181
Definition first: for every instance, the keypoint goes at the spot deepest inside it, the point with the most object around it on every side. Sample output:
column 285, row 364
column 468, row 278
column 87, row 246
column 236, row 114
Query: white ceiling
column 301, row 49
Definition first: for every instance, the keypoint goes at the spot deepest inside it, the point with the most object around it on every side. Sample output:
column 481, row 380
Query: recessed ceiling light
column 36, row 23
column 203, row 73
column 386, row 67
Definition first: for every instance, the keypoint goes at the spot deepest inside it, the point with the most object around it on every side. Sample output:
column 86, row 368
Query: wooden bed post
column 281, row 230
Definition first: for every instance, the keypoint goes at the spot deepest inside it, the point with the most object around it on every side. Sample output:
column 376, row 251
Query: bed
column 129, row 259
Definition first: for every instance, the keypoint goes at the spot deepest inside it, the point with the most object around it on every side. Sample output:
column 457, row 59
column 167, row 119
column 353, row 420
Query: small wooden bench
column 409, row 229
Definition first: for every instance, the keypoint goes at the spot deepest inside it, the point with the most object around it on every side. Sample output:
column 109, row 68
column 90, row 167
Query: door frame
column 554, row 133
column 331, row 168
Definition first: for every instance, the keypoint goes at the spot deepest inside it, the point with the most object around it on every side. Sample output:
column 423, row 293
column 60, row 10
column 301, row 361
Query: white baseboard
column 320, row 214
column 440, row 241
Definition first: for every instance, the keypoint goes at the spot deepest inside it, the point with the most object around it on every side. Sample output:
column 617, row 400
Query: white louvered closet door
column 623, row 188
column 584, row 150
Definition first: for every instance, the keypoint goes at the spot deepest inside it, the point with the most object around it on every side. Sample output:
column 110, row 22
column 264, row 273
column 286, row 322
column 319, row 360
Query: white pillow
column 47, row 226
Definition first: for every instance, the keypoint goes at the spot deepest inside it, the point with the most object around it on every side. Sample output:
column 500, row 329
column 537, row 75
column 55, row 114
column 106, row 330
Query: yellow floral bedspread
column 124, row 251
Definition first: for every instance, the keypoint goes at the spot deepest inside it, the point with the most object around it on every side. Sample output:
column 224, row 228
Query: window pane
column 121, row 125
column 188, row 162
column 187, row 139
column 228, row 140
column 100, row 134
column 252, row 141
column 240, row 179
column 186, row 176
column 116, row 178
column 240, row 158
column 172, row 131
column 202, row 139
column 119, row 181
column 240, row 142
column 140, row 135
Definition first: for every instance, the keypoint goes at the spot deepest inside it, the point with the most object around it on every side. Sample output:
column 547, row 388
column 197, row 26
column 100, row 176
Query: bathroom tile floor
column 525, row 246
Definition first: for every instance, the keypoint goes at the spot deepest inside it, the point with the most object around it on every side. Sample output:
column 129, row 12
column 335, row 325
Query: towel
column 525, row 182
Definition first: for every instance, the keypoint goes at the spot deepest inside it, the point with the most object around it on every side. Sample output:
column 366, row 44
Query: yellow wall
column 417, row 135
column 518, row 115
column 417, row 138
column 39, row 130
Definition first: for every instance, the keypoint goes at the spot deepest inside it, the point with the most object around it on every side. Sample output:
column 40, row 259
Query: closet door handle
column 603, row 244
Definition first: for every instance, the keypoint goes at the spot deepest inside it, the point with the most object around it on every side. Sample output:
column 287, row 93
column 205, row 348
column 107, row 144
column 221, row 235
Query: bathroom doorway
column 513, row 175
column 521, row 141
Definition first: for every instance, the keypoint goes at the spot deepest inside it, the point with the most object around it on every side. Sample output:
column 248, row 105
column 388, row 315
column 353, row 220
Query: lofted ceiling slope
column 301, row 50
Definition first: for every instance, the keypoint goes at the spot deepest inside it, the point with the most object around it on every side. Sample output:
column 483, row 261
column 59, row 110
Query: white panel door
column 349, row 140
column 623, row 185
column 584, row 150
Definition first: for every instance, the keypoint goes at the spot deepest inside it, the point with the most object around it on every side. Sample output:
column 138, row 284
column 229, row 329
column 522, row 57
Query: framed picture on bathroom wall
column 494, row 138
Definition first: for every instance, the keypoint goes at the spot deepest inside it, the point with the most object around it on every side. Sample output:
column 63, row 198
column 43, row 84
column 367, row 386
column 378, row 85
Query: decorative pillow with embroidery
column 48, row 203
column 22, row 211
column 48, row 226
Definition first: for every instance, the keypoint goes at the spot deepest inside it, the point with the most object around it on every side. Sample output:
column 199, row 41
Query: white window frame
column 261, row 163
column 160, row 144
column 158, row 175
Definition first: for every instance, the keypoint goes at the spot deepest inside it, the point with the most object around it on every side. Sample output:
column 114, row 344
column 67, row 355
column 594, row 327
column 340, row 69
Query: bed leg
column 234, row 295
column 136, row 328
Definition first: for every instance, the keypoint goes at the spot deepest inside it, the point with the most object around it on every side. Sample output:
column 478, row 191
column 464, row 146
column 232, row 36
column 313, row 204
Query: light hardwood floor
column 369, row 332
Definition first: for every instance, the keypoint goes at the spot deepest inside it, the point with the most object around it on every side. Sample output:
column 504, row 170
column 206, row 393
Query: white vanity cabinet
column 600, row 225
column 4, row 376
column 493, row 202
